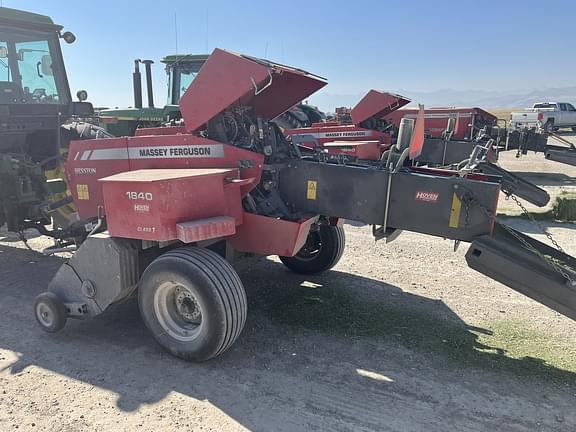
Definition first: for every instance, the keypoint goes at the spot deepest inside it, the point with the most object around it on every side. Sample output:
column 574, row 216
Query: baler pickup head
column 227, row 80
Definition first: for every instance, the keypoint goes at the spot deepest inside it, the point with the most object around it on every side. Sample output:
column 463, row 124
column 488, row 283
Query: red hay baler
column 365, row 138
column 166, row 214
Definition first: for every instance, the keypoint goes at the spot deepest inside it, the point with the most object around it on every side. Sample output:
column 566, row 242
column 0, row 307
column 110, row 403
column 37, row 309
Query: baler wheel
column 322, row 251
column 50, row 312
column 193, row 302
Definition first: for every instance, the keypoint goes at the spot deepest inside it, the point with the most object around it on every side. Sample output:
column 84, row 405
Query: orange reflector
column 417, row 141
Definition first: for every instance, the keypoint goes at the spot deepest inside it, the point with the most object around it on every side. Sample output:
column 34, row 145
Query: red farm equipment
column 361, row 131
column 468, row 121
column 370, row 128
column 364, row 134
column 165, row 214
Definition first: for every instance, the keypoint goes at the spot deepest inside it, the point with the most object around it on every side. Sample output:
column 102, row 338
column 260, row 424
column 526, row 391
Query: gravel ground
column 399, row 337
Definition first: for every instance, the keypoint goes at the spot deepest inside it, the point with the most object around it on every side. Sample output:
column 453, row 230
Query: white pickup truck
column 549, row 116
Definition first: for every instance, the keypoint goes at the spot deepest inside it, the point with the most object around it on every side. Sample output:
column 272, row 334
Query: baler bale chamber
column 167, row 213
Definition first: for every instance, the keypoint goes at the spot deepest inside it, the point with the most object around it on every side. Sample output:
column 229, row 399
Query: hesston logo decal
column 431, row 197
column 84, row 170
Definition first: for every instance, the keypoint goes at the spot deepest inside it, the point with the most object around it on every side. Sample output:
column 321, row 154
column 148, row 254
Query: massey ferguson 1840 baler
column 165, row 214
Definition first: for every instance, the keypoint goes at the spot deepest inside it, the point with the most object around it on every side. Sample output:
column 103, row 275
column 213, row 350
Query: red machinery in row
column 368, row 129
column 467, row 121
column 165, row 214
column 366, row 136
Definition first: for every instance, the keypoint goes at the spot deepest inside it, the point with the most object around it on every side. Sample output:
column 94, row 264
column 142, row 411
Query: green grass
column 520, row 342
column 565, row 207
column 563, row 210
column 506, row 346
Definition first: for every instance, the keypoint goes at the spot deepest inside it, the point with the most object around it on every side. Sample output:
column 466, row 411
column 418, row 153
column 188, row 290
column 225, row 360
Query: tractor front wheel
column 193, row 302
column 322, row 251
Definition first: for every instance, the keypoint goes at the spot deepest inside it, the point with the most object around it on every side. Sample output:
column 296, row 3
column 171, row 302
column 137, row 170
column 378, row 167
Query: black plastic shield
column 419, row 202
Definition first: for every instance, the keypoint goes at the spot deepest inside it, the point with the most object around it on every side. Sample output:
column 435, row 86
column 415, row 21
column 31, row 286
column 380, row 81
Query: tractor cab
column 181, row 71
column 35, row 102
column 34, row 94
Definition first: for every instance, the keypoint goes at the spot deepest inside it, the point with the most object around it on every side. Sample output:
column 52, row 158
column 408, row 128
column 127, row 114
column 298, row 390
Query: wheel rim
column 45, row 314
column 178, row 311
column 311, row 248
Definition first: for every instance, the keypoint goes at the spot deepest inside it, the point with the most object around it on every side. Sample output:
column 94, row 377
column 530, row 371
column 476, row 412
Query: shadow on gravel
column 523, row 224
column 298, row 360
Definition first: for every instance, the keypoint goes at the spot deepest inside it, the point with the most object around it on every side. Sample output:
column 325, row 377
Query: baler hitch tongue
column 528, row 266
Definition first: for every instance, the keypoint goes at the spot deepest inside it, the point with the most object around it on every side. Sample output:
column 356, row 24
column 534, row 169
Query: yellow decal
column 312, row 188
column 455, row 212
column 82, row 190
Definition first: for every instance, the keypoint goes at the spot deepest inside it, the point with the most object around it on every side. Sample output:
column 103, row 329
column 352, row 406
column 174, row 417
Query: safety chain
column 553, row 264
column 23, row 239
column 535, row 222
column 467, row 213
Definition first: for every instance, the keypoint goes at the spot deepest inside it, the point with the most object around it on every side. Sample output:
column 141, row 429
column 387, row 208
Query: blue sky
column 417, row 45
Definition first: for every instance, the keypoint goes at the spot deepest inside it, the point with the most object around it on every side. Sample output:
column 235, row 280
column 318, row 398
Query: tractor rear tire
column 193, row 302
column 50, row 312
column 323, row 249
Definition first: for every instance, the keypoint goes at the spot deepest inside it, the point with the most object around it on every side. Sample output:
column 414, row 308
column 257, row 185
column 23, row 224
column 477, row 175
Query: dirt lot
column 399, row 337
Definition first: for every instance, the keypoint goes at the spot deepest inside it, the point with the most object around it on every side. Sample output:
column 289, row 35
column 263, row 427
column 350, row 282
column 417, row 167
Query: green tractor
column 181, row 71
column 38, row 118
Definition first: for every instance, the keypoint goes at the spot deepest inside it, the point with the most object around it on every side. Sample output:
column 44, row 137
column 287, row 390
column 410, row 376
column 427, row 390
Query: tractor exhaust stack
column 137, row 84
column 148, row 65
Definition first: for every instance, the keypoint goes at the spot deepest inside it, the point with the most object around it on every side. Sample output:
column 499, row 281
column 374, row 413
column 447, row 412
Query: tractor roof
column 27, row 20
column 227, row 80
column 185, row 58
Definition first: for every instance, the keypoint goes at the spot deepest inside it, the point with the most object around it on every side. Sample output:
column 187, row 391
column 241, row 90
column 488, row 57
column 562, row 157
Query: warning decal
column 82, row 191
column 311, row 190
column 455, row 212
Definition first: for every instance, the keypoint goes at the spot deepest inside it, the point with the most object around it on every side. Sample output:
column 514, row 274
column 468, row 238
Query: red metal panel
column 437, row 119
column 228, row 79
column 88, row 161
column 322, row 135
column 417, row 141
column 377, row 104
column 148, row 204
column 366, row 150
column 330, row 132
column 269, row 236
column 206, row 229
column 91, row 160
column 190, row 151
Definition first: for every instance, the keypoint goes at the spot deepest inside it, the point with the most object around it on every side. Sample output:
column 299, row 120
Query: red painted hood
column 228, row 79
column 377, row 104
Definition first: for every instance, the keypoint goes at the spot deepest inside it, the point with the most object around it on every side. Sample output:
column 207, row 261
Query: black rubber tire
column 219, row 293
column 332, row 242
column 53, row 306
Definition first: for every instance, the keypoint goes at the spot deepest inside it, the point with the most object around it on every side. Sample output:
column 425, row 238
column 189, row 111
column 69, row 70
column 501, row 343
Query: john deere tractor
column 37, row 121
